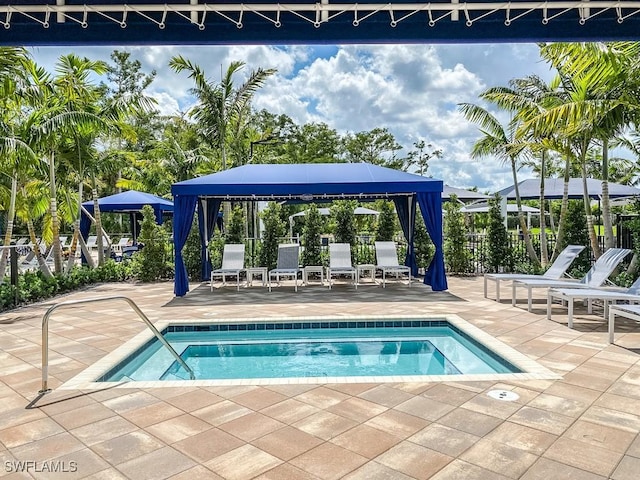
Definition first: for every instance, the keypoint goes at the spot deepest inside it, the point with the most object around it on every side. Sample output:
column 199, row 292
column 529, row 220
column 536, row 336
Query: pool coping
column 531, row 370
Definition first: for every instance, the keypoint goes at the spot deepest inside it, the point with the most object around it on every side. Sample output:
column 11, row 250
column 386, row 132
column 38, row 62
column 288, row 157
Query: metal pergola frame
column 300, row 19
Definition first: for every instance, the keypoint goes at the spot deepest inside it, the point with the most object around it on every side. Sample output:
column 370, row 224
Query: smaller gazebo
column 129, row 202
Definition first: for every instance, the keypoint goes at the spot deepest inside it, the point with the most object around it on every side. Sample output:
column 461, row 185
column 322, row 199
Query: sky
column 412, row 90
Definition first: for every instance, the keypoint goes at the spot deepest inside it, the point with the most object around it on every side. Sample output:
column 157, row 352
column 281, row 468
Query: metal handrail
column 132, row 304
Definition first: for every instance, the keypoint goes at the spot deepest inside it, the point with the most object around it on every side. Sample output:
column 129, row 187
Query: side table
column 362, row 270
column 260, row 271
column 312, row 269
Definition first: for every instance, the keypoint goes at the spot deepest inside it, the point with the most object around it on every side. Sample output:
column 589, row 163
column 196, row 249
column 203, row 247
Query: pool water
column 292, row 351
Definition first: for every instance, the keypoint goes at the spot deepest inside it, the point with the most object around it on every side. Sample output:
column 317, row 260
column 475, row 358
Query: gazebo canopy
column 462, row 194
column 313, row 182
column 130, row 202
column 554, row 189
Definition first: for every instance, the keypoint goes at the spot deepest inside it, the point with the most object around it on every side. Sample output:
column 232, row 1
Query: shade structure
column 462, row 194
column 118, row 22
column 129, row 202
column 554, row 189
column 313, row 182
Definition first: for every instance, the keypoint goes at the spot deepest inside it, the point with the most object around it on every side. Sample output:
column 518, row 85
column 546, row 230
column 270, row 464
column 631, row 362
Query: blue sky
column 412, row 90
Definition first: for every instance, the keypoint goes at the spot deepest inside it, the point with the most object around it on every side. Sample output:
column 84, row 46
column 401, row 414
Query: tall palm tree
column 523, row 97
column 607, row 79
column 83, row 121
column 499, row 142
column 221, row 104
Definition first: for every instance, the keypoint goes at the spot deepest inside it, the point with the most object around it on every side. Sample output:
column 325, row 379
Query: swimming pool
column 330, row 350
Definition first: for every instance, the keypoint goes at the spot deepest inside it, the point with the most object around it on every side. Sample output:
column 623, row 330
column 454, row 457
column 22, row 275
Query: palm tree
column 81, row 122
column 523, row 97
column 221, row 104
column 609, row 75
column 499, row 141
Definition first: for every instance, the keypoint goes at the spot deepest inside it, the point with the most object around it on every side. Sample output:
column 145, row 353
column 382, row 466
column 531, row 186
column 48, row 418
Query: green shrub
column 456, row 254
column 342, row 211
column 191, row 253
column 234, row 233
column 499, row 254
column 422, row 244
column 576, row 234
column 274, row 229
column 312, row 254
column 153, row 261
column 386, row 227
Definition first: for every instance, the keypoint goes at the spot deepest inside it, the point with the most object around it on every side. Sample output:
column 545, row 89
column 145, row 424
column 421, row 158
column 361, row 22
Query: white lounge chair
column 288, row 264
column 594, row 278
column 123, row 242
column 232, row 264
column 387, row 261
column 556, row 271
column 92, row 242
column 340, row 262
column 628, row 311
column 607, row 295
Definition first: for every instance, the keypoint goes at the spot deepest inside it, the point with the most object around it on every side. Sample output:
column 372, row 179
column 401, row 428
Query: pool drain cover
column 504, row 395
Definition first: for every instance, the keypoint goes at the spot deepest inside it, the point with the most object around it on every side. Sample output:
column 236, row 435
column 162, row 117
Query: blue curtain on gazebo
column 316, row 182
column 431, row 208
column 212, row 207
column 406, row 209
column 184, row 207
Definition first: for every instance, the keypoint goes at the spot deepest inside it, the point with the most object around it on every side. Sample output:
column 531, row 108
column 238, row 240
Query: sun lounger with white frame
column 232, row 264
column 340, row 262
column 594, row 278
column 631, row 312
column 606, row 295
column 555, row 272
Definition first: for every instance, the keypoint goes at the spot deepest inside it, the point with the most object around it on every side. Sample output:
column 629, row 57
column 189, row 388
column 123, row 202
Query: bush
column 274, row 228
column 422, row 244
column 234, row 233
column 386, row 227
column 499, row 254
column 153, row 261
column 33, row 286
column 191, row 253
column 456, row 255
column 576, row 234
column 312, row 254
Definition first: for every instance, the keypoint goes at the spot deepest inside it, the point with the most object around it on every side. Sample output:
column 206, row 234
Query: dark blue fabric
column 371, row 27
column 213, row 207
column 314, row 182
column 406, row 210
column 184, row 208
column 313, row 179
column 130, row 202
column 431, row 208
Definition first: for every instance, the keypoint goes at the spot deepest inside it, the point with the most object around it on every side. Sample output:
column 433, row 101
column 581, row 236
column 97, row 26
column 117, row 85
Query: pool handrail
column 132, row 304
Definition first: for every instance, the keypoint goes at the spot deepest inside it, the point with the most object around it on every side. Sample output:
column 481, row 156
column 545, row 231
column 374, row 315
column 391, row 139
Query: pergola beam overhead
column 190, row 21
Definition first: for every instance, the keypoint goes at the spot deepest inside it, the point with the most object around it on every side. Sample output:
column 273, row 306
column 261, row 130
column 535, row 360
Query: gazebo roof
column 307, row 182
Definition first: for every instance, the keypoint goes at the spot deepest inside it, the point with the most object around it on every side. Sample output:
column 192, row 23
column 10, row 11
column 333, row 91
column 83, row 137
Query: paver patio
column 583, row 426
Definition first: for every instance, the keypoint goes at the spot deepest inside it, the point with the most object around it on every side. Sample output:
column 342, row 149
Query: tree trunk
column 593, row 238
column 544, row 254
column 98, row 219
column 78, row 237
column 42, row 263
column 55, row 220
column 609, row 241
column 523, row 224
column 11, row 216
column 564, row 209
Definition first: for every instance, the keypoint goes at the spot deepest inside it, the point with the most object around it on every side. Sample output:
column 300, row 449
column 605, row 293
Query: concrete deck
column 585, row 425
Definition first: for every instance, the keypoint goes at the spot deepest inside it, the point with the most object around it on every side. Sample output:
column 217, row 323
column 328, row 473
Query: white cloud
column 413, row 90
